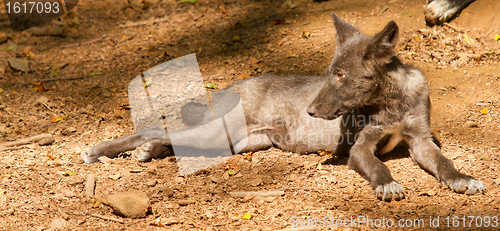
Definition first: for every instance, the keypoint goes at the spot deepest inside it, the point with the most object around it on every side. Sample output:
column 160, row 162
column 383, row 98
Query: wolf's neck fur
column 397, row 92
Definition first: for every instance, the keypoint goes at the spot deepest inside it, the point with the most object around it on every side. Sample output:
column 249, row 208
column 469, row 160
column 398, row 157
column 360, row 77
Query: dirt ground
column 42, row 187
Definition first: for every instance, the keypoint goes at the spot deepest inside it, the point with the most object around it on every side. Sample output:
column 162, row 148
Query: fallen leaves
column 187, row 1
column 55, row 120
column 210, row 86
column 278, row 21
column 236, row 39
column 484, row 111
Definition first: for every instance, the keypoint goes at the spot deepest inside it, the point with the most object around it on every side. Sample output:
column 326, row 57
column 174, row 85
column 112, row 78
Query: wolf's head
column 357, row 69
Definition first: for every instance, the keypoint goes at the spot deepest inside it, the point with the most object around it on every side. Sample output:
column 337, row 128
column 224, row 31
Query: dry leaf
column 245, row 75
column 55, row 120
column 236, row 38
column 40, row 89
column 247, row 216
column 484, row 111
column 254, row 61
column 279, row 21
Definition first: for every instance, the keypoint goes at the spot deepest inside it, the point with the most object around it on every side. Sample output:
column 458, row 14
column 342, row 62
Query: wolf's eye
column 340, row 76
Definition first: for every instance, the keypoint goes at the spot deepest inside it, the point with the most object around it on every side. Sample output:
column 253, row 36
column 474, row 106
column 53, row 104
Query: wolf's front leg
column 428, row 155
column 363, row 160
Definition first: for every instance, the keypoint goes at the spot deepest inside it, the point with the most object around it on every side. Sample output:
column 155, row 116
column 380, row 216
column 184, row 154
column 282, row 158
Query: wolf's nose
column 311, row 111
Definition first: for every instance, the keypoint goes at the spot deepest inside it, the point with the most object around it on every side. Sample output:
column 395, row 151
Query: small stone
column 256, row 182
column 151, row 183
column 178, row 179
column 471, row 124
column 41, row 100
column 132, row 204
column 58, row 224
column 46, row 141
column 225, row 176
column 238, row 175
column 168, row 192
column 497, row 181
column 104, row 159
column 208, row 214
column 186, row 202
column 19, row 65
column 215, row 179
column 69, row 193
column 68, row 131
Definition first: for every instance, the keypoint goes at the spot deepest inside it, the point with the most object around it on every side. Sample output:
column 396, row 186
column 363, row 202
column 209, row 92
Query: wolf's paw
column 466, row 185
column 89, row 156
column 390, row 191
column 439, row 11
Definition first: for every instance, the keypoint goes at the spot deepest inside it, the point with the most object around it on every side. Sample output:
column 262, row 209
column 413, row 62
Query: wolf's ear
column 344, row 29
column 383, row 43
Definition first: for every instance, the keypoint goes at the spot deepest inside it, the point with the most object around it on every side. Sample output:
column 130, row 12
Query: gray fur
column 378, row 103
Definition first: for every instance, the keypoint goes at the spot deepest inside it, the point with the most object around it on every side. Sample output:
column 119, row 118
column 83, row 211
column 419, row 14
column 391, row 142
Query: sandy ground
column 42, row 187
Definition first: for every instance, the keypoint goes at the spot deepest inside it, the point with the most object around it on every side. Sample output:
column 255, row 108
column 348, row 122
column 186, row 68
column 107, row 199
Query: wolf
column 441, row 11
column 366, row 103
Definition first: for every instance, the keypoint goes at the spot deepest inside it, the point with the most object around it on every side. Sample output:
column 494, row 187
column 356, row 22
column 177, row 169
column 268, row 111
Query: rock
column 168, row 192
column 471, row 124
column 19, row 64
column 178, row 179
column 225, row 176
column 46, row 141
column 186, row 202
column 208, row 215
column 41, row 100
column 69, row 193
column 68, row 131
column 151, row 183
column 3, row 128
column 256, row 182
column 132, row 204
column 215, row 179
column 58, row 224
column 497, row 181
column 104, row 159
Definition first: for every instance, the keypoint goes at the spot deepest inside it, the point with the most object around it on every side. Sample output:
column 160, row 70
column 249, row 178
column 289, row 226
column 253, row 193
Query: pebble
column 68, row 131
column 497, row 181
column 208, row 214
column 69, row 193
column 186, row 202
column 151, row 183
column 58, row 224
column 178, row 179
column 131, row 204
column 19, row 65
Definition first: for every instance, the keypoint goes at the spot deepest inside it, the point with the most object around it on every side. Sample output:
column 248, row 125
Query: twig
column 151, row 20
column 89, row 42
column 257, row 194
column 454, row 27
column 383, row 11
column 301, row 188
column 53, row 79
column 25, row 140
column 90, row 187
column 108, row 218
